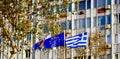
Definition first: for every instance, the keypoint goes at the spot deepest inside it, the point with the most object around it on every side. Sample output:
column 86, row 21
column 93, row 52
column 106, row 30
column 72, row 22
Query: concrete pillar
column 112, row 33
column 73, row 17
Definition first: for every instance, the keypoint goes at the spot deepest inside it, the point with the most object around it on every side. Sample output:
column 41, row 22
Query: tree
column 15, row 23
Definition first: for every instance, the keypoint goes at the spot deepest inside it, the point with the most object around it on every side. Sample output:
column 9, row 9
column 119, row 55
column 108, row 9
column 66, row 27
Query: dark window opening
column 89, row 57
column 117, row 1
column 70, row 7
column 101, row 20
column 29, row 36
column 82, row 5
column 89, row 22
column 70, row 24
column 108, row 19
column 63, row 25
column 119, row 18
column 27, row 53
column 101, row 3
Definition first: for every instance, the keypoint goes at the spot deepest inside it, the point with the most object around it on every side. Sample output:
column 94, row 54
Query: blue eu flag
column 55, row 41
column 0, row 39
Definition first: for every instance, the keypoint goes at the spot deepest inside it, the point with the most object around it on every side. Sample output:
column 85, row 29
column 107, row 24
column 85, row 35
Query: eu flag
column 55, row 41
column 0, row 39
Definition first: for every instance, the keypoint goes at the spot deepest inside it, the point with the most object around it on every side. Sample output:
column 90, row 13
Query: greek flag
column 77, row 41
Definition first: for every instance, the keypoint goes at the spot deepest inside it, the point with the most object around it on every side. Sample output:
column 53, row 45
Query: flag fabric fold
column 37, row 45
column 55, row 41
column 0, row 39
column 77, row 41
column 40, row 44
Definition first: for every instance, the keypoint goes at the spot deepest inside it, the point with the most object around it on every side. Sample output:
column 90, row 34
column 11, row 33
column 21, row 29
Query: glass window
column 95, row 3
column 115, row 19
column 116, row 56
column 30, row 17
column 109, row 2
column 101, row 20
column 88, row 4
column 76, row 6
column 70, row 7
column 116, row 38
column 70, row 24
column 29, row 36
column 52, row 9
column 27, row 53
column 82, row 23
column 82, row 5
column 119, row 18
column 109, row 40
column 117, row 1
column 63, row 10
column 117, row 28
column 63, row 25
column 88, row 22
column 75, row 22
column 101, row 3
column 45, row 28
column 0, row 39
column 109, row 19
column 95, row 21
column 57, row 9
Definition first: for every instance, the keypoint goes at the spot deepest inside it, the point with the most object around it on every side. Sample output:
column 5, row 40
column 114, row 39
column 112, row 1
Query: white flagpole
column 73, row 9
column 47, row 54
column 64, row 45
column 40, row 53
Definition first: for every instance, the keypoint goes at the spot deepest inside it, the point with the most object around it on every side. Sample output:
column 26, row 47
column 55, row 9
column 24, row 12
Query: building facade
column 91, row 16
column 94, row 16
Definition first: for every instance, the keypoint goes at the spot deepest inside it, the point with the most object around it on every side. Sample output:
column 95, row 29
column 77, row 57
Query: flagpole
column 40, row 53
column 64, row 45
column 72, row 17
column 47, row 54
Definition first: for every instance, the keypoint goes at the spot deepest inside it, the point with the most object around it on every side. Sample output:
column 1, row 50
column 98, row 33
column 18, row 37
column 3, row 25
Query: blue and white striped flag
column 77, row 41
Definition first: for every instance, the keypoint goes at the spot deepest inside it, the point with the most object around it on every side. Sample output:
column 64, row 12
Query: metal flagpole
column 52, row 54
column 112, row 29
column 72, row 17
column 64, row 45
column 40, row 53
column 47, row 54
column 87, row 50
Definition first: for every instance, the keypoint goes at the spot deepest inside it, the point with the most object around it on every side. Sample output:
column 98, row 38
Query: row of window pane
column 102, row 20
column 109, row 39
column 82, row 23
column 101, row 3
column 117, row 1
column 82, row 5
